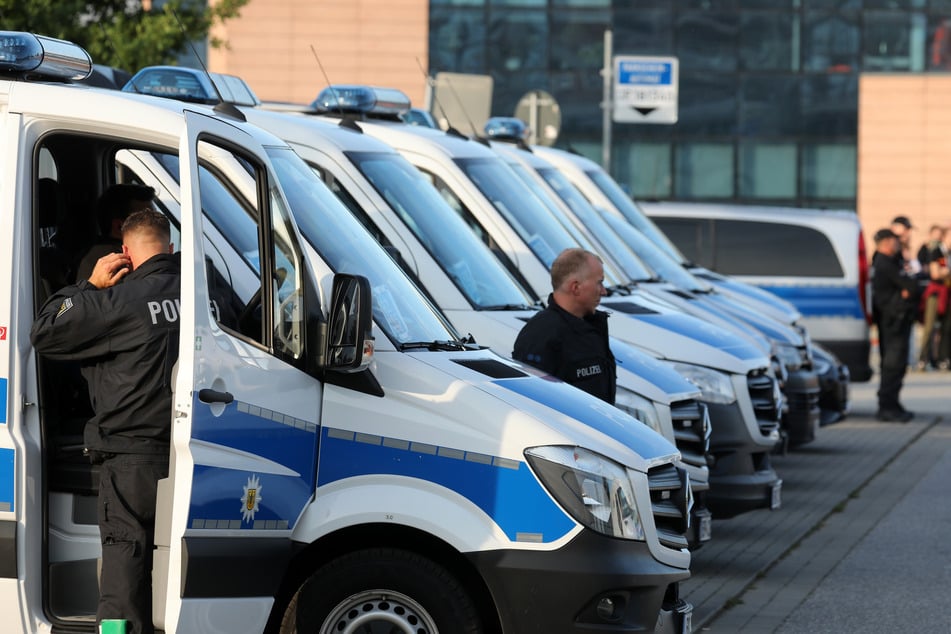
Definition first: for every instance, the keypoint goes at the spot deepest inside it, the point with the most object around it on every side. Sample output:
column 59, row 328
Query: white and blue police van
column 340, row 459
column 734, row 376
column 621, row 210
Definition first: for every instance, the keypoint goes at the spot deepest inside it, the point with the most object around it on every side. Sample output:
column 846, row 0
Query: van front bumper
column 593, row 584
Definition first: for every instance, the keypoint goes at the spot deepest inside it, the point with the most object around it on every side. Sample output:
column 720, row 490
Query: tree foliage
column 123, row 33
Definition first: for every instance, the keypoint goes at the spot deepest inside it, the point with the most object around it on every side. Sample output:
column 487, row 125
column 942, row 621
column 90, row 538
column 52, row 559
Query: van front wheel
column 382, row 590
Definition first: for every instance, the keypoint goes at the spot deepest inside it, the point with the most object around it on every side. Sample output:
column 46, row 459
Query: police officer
column 126, row 337
column 893, row 309
column 569, row 338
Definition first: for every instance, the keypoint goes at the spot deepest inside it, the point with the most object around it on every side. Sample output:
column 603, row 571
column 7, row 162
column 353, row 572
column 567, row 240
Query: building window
column 893, row 42
column 704, row 170
column 828, row 170
column 830, row 42
column 706, row 40
column 644, row 167
column 767, row 170
column 457, row 40
column 518, row 40
column 766, row 41
column 769, row 105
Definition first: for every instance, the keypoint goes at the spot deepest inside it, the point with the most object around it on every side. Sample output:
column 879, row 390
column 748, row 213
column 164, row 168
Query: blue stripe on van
column 504, row 489
column 3, row 401
column 7, row 465
column 821, row 301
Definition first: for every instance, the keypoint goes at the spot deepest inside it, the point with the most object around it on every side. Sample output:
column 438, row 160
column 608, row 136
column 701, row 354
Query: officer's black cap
column 883, row 234
column 903, row 221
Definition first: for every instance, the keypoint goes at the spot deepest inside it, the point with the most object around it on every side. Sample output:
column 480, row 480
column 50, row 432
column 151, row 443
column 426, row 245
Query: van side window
column 230, row 187
column 777, row 249
column 748, row 247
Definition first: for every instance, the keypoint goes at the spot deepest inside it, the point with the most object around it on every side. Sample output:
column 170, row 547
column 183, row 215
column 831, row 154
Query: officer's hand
column 110, row 269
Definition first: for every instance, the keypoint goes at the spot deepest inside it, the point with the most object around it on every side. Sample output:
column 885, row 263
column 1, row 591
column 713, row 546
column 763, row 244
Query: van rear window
column 747, row 247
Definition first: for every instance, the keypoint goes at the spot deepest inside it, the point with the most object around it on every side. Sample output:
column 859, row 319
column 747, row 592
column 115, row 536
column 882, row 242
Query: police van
column 813, row 258
column 339, row 457
column 734, row 376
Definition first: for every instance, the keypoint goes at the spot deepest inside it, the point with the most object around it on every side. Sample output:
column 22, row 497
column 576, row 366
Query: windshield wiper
column 508, row 307
column 434, row 345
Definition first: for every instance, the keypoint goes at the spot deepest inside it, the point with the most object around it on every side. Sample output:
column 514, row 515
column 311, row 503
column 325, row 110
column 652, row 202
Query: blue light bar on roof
column 362, row 100
column 26, row 53
column 506, row 128
column 191, row 84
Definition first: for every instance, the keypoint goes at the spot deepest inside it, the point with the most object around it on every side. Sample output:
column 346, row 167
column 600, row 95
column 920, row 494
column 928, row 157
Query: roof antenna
column 475, row 134
column 431, row 83
column 345, row 121
column 223, row 107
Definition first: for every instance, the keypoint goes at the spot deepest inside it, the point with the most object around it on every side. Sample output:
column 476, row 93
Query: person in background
column 569, row 338
column 893, row 310
column 113, row 207
column 126, row 337
column 933, row 306
column 902, row 228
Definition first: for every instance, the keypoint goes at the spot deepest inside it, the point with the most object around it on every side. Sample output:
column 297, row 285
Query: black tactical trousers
column 893, row 342
column 127, row 490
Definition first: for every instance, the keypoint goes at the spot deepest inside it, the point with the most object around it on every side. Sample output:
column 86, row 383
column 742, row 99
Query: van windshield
column 654, row 256
column 624, row 253
column 468, row 262
column 525, row 212
column 634, row 214
column 399, row 309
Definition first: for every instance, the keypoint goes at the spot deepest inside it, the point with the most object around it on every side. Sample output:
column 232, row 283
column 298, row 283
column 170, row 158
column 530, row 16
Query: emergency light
column 192, row 85
column 366, row 100
column 506, row 128
column 26, row 54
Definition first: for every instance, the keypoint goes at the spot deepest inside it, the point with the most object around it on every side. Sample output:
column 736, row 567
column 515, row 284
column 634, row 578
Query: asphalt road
column 861, row 543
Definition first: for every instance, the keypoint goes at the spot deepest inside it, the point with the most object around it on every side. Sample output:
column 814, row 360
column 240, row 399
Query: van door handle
column 214, row 396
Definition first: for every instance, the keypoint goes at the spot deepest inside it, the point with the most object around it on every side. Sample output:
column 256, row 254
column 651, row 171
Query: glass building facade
column 768, row 90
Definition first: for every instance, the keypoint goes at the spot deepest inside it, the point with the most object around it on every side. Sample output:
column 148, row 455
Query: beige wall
column 381, row 42
column 904, row 152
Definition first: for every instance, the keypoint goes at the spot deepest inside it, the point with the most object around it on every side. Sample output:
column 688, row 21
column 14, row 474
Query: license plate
column 705, row 529
column 776, row 495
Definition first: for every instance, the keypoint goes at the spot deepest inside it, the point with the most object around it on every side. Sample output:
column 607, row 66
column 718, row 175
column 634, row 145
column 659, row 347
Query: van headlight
column 715, row 387
column 638, row 407
column 595, row 491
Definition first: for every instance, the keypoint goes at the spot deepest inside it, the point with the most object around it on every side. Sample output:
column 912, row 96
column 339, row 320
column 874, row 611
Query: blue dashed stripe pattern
column 503, row 488
column 3, row 401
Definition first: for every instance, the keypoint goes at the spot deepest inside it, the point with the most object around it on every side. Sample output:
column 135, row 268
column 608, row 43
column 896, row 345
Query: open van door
column 246, row 414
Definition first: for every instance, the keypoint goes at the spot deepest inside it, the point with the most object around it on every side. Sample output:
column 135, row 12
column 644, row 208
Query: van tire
column 409, row 590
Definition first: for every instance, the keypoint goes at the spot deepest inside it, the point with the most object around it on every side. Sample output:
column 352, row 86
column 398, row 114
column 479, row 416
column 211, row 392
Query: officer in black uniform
column 126, row 337
column 893, row 310
column 569, row 339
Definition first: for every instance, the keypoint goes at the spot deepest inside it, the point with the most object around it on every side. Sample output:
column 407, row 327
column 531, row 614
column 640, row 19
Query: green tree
column 127, row 34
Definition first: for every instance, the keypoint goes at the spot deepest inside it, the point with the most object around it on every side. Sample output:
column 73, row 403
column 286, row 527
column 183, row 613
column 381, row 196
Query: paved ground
column 860, row 543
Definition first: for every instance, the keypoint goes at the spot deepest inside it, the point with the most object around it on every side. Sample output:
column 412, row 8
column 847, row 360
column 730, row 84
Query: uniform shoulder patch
column 66, row 305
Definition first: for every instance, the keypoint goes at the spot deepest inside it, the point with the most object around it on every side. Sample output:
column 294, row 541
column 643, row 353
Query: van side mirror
column 348, row 344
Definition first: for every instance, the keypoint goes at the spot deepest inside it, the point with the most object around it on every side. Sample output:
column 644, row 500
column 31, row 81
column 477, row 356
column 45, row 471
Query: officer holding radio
column 569, row 339
column 126, row 337
column 893, row 309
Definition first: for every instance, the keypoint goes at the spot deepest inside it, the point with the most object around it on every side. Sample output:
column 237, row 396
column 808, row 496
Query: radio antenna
column 475, row 134
column 432, row 90
column 323, row 72
column 223, row 107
